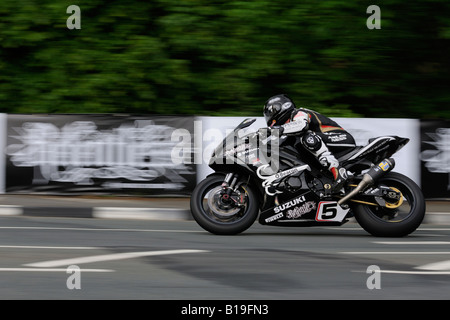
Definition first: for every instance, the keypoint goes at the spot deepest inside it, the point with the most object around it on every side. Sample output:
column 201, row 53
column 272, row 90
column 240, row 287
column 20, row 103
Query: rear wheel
column 397, row 219
column 223, row 213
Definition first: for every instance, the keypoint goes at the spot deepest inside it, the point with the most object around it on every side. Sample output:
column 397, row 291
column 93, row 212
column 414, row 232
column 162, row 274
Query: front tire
column 398, row 222
column 226, row 220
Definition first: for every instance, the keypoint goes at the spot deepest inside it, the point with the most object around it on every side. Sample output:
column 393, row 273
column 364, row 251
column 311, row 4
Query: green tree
column 225, row 57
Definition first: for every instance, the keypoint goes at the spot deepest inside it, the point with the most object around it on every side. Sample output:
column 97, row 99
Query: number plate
column 330, row 211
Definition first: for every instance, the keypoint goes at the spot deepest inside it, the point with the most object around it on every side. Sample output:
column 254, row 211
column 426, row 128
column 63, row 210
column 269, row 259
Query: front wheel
column 397, row 221
column 223, row 214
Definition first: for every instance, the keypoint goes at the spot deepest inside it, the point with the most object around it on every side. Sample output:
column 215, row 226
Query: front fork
column 230, row 192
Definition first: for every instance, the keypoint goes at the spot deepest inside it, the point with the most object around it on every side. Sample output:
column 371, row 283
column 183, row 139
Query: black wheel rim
column 399, row 214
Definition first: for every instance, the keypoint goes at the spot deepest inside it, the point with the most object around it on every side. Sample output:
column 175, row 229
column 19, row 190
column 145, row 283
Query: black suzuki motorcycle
column 267, row 175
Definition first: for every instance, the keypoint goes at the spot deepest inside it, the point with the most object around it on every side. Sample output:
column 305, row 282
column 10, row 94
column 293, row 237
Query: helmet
column 278, row 109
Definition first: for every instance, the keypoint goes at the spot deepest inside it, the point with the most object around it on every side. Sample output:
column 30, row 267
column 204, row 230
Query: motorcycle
column 268, row 175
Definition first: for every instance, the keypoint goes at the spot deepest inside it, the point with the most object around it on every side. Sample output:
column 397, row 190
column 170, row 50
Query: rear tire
column 399, row 222
column 226, row 222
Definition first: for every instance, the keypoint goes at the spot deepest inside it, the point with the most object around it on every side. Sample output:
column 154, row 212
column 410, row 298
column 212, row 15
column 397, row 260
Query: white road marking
column 100, row 229
column 436, row 266
column 357, row 228
column 181, row 231
column 47, row 247
column 413, row 272
column 106, row 257
column 50, row 270
column 411, row 242
column 397, row 252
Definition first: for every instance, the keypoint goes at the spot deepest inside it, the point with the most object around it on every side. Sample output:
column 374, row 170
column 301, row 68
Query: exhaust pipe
column 369, row 178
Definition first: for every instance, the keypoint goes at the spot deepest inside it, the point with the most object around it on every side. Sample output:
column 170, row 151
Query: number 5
column 330, row 211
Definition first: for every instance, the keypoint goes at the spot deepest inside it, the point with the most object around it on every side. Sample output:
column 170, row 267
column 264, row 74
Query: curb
column 136, row 213
column 98, row 212
column 441, row 218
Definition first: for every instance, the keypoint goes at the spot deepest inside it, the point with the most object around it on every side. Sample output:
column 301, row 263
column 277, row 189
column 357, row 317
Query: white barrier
column 210, row 131
column 407, row 161
column 3, row 128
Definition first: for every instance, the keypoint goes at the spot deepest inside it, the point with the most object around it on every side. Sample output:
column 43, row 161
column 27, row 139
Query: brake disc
column 220, row 207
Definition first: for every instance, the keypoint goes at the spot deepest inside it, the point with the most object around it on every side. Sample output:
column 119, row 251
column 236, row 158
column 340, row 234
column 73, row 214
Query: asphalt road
column 177, row 260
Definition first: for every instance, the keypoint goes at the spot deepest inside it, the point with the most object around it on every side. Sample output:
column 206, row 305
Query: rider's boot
column 340, row 177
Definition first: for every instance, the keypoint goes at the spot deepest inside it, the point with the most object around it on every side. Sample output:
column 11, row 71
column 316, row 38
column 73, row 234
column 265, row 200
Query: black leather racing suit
column 320, row 135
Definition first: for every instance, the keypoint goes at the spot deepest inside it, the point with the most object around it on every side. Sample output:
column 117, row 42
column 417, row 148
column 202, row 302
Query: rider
column 316, row 133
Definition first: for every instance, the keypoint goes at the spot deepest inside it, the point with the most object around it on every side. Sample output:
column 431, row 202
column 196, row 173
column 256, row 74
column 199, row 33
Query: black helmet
column 278, row 109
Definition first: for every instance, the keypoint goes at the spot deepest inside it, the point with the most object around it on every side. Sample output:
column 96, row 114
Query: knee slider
column 312, row 141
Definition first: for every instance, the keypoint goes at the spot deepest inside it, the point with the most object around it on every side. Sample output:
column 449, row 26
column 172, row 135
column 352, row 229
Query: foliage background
column 225, row 57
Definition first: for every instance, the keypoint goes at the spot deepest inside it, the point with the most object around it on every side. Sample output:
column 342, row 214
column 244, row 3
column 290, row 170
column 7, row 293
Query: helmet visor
column 270, row 112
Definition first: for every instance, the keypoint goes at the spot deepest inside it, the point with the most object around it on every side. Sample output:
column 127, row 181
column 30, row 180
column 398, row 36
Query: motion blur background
column 225, row 58
column 140, row 67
